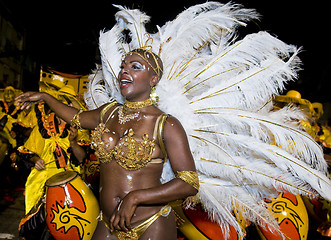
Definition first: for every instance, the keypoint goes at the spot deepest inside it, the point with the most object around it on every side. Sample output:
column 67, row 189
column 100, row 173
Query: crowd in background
column 35, row 145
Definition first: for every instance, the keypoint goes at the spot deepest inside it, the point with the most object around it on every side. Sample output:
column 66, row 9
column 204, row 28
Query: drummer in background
column 48, row 149
column 7, row 103
column 12, row 174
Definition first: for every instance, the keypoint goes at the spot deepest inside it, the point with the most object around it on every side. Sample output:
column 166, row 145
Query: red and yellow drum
column 292, row 216
column 71, row 207
column 196, row 225
column 91, row 173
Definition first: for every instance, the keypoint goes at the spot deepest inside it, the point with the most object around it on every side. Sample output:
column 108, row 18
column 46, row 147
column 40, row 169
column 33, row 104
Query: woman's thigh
column 164, row 228
column 102, row 232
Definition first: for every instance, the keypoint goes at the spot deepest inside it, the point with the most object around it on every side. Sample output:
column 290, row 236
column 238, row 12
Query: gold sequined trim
column 191, row 177
column 138, row 105
column 136, row 232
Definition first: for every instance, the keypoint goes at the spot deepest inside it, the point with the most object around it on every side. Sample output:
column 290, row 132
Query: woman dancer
column 133, row 141
column 219, row 87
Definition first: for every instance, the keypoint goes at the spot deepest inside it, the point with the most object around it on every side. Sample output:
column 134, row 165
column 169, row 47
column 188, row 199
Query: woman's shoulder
column 93, row 117
column 106, row 109
column 172, row 125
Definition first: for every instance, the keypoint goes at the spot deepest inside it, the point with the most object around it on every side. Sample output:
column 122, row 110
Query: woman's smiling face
column 135, row 78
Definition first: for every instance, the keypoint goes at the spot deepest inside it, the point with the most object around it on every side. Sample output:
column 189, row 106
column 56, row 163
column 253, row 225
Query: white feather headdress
column 219, row 87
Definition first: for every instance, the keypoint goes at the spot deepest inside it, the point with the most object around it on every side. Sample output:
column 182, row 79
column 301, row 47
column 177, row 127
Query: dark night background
column 64, row 34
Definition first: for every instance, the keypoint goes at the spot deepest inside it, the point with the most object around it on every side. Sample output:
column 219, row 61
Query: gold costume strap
column 160, row 124
column 75, row 122
column 190, row 177
column 105, row 109
column 136, row 232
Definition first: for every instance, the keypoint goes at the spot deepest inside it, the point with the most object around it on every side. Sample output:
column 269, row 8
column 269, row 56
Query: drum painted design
column 92, row 166
column 91, row 173
column 196, row 225
column 71, row 207
column 292, row 216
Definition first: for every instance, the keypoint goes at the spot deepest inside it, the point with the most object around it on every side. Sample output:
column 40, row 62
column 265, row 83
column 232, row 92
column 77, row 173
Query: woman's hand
column 73, row 134
column 29, row 98
column 121, row 218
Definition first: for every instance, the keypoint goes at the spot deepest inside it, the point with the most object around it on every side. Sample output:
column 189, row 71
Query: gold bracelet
column 191, row 177
column 75, row 123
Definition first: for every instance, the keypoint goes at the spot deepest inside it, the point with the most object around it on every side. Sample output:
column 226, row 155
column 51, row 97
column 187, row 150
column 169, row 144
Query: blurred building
column 14, row 61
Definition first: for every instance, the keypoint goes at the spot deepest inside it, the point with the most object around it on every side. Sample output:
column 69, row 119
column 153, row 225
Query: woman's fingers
column 123, row 224
column 111, row 222
column 120, row 223
column 115, row 222
column 120, row 220
column 127, row 222
column 23, row 97
column 28, row 98
column 26, row 105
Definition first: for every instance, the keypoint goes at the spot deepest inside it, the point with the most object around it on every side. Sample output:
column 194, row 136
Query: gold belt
column 136, row 232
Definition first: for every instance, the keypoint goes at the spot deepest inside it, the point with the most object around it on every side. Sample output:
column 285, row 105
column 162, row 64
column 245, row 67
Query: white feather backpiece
column 219, row 87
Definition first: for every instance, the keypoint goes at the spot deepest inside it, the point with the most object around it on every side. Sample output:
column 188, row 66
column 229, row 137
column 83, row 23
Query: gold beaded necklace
column 138, row 105
column 123, row 117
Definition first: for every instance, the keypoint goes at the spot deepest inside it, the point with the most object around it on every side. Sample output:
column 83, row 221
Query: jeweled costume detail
column 129, row 153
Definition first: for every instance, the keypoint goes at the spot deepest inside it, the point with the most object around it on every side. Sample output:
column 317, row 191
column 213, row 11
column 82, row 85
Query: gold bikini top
column 129, row 153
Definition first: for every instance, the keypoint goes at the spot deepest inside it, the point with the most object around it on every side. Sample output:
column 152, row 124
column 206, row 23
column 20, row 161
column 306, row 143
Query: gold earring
column 153, row 96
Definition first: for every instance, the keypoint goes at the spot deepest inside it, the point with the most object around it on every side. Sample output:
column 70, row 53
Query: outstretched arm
column 88, row 119
column 63, row 111
column 77, row 150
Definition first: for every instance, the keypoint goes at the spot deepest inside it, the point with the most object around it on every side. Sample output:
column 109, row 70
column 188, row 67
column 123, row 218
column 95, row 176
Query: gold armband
column 191, row 177
column 75, row 123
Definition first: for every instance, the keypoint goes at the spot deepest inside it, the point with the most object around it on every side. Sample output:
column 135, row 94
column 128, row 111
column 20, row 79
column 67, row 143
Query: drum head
column 61, row 178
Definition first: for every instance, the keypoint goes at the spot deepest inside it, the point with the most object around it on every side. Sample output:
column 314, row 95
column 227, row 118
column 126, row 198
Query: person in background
column 12, row 172
column 51, row 148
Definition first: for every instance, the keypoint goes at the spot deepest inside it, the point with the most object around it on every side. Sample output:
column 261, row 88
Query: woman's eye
column 137, row 66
